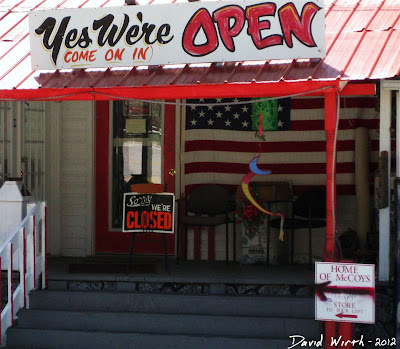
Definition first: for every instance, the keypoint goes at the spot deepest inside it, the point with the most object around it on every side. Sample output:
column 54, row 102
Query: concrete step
column 183, row 324
column 293, row 307
column 57, row 339
column 110, row 319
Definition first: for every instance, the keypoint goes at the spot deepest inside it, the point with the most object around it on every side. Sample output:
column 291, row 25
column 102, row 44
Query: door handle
column 172, row 172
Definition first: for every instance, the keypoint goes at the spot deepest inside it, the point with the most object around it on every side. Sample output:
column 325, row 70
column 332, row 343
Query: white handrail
column 25, row 252
column 20, row 226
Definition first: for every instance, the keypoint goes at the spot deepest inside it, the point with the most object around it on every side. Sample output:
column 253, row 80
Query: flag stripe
column 344, row 124
column 305, row 168
column 267, row 158
column 275, row 147
column 344, row 114
column 273, row 136
column 345, row 102
column 341, row 189
column 294, row 179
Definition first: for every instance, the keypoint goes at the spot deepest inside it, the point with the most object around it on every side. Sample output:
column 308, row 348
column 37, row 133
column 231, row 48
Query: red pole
column 330, row 332
column 330, row 253
column 346, row 331
column 330, row 127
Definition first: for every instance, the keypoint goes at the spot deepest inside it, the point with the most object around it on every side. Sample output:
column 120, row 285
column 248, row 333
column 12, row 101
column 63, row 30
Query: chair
column 348, row 246
column 308, row 212
column 144, row 188
column 208, row 205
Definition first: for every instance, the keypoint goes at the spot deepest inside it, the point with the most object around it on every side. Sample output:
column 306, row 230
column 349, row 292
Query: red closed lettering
column 130, row 221
column 168, row 220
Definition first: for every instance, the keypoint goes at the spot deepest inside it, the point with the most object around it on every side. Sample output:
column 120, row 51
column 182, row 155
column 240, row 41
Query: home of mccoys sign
column 176, row 33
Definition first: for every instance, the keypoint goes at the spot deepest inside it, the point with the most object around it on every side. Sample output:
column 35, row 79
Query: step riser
column 101, row 340
column 67, row 319
column 168, row 323
column 181, row 287
column 149, row 303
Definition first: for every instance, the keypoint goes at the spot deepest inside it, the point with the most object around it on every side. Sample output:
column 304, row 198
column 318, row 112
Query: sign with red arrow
column 345, row 292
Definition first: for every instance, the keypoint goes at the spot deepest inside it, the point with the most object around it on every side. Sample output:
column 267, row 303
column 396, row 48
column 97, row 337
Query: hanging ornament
column 255, row 170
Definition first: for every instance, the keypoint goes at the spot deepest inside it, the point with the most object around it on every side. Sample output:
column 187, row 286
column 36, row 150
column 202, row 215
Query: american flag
column 222, row 156
column 238, row 114
column 220, row 153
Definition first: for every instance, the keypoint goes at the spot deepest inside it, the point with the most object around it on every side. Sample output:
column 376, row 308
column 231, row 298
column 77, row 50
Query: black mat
column 109, row 268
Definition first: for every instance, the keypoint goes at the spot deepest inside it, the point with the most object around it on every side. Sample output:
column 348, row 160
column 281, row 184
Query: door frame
column 107, row 240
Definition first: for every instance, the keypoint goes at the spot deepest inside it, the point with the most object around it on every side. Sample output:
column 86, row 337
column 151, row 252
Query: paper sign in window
column 135, row 126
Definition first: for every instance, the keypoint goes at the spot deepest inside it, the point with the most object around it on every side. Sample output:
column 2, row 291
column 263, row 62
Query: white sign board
column 148, row 213
column 195, row 32
column 345, row 292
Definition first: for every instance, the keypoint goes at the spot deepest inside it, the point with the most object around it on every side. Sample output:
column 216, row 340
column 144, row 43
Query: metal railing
column 24, row 253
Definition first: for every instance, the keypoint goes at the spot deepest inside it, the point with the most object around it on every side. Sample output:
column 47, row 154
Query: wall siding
column 76, row 178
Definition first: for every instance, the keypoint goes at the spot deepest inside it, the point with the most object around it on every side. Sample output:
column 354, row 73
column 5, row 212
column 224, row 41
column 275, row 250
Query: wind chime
column 254, row 170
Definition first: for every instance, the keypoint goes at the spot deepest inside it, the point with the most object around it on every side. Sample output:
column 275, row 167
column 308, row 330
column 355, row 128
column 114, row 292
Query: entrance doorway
column 135, row 143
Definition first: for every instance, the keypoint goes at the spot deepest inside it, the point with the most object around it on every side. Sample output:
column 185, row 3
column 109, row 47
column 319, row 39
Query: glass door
column 136, row 150
column 131, row 135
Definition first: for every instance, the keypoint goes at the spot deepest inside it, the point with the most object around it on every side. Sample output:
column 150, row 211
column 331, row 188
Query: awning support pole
column 332, row 329
column 330, row 127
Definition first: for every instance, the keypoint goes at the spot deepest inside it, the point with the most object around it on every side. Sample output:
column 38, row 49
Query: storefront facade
column 84, row 154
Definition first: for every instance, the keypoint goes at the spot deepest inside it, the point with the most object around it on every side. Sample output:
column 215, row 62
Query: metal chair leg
column 164, row 241
column 309, row 246
column 292, row 242
column 129, row 266
column 234, row 242
column 186, row 241
column 227, row 244
column 268, row 237
column 292, row 248
column 178, row 244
